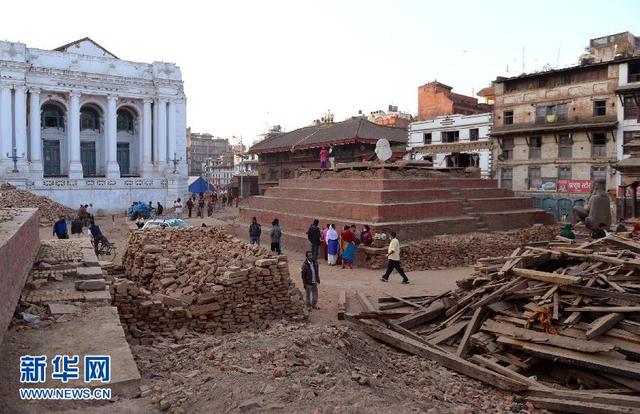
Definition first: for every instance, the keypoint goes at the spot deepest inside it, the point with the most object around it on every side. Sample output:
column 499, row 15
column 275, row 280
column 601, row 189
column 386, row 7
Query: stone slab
column 102, row 297
column 93, row 272
column 91, row 284
column 63, row 309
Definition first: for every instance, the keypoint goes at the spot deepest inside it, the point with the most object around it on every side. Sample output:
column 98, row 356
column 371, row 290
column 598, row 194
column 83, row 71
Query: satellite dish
column 383, row 150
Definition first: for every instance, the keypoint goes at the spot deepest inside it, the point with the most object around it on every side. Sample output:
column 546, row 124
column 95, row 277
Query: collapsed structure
column 201, row 278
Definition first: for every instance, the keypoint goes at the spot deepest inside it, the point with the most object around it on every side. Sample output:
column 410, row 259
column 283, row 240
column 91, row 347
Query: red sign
column 574, row 186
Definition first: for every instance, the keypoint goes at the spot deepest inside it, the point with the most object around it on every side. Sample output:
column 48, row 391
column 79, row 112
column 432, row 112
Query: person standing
column 276, row 234
column 255, row 230
column 190, row 206
column 201, row 206
column 315, row 237
column 60, row 228
column 348, row 247
column 332, row 246
column 324, row 158
column 160, row 208
column 324, row 241
column 91, row 212
column 394, row 260
column 76, row 228
column 82, row 213
column 366, row 238
column 224, row 200
column 332, row 157
column 310, row 280
column 98, row 237
column 178, row 208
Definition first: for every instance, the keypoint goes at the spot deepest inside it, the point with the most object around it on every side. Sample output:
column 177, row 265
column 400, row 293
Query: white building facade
column 219, row 170
column 91, row 128
column 453, row 141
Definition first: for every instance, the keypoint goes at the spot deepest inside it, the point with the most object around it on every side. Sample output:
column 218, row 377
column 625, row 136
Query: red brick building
column 280, row 156
column 436, row 99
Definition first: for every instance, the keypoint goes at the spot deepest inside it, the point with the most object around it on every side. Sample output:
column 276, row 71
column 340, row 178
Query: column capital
column 162, row 99
column 74, row 94
column 112, row 97
column 22, row 88
column 147, row 100
column 34, row 90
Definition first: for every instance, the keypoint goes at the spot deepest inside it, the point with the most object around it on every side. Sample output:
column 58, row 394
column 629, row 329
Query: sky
column 249, row 65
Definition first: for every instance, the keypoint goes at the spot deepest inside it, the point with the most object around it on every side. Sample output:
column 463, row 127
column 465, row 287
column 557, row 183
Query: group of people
column 601, row 231
column 337, row 246
column 255, row 232
column 84, row 218
column 209, row 202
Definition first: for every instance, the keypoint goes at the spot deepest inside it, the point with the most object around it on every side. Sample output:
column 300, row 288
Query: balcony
column 557, row 125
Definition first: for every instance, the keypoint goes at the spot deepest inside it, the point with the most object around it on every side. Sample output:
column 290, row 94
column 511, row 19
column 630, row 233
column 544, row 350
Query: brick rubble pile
column 465, row 249
column 201, row 278
column 50, row 211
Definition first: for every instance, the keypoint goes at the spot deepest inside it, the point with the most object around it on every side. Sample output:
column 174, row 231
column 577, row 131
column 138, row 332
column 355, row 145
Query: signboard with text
column 574, row 186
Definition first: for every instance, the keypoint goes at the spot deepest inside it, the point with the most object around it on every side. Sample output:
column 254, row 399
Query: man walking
column 60, row 228
column 254, row 232
column 315, row 237
column 394, row 260
column 310, row 280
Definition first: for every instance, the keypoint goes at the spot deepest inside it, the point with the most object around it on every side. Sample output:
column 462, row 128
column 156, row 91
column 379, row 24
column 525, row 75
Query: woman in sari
column 324, row 241
column 332, row 246
column 348, row 241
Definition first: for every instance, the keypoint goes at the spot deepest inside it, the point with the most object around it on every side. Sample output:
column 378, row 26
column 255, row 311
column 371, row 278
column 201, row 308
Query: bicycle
column 104, row 249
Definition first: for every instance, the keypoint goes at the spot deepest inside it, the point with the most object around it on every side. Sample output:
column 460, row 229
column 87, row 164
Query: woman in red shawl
column 348, row 244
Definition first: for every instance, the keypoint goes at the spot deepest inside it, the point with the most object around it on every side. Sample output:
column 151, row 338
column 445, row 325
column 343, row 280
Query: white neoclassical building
column 88, row 127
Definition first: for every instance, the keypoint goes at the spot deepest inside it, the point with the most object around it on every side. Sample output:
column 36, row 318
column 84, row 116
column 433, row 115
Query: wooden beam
column 588, row 396
column 603, row 324
column 547, row 277
column 625, row 309
column 399, row 299
column 472, row 327
column 380, row 316
column 494, row 366
column 444, row 358
column 367, row 306
column 594, row 361
column 446, row 333
column 542, row 337
column 631, row 298
column 342, row 304
column 580, row 407
column 412, row 320
column 497, row 294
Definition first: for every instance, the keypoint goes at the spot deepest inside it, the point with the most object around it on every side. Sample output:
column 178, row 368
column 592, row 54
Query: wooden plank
column 494, row 366
column 444, row 358
column 472, row 327
column 603, row 324
column 366, row 304
column 625, row 309
column 556, row 312
column 496, row 294
column 542, row 337
column 546, row 276
column 383, row 299
column 582, row 359
column 342, row 304
column 509, row 264
column 380, row 316
column 634, row 384
column 589, row 396
column 622, row 345
column 630, row 326
column 405, row 301
column 580, row 407
column 575, row 316
column 630, row 298
column 412, row 320
column 446, row 333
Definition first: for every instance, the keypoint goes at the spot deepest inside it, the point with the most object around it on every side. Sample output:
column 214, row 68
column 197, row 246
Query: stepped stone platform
column 416, row 204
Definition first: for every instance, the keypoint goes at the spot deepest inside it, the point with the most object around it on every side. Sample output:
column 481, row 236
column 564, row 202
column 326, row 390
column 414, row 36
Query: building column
column 75, row 166
column 6, row 128
column 34, row 134
column 171, row 132
column 162, row 135
column 20, row 126
column 113, row 169
column 147, row 166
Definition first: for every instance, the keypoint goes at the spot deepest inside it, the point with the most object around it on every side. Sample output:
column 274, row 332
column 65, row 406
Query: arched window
column 52, row 116
column 125, row 120
column 89, row 118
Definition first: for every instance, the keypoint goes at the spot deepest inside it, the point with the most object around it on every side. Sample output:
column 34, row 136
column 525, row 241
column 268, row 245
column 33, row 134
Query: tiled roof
column 355, row 130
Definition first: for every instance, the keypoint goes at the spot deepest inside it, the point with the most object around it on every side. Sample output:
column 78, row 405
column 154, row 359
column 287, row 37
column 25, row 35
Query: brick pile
column 202, row 278
column 465, row 249
column 50, row 211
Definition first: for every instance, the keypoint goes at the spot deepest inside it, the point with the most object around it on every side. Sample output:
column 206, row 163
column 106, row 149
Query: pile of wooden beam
column 559, row 321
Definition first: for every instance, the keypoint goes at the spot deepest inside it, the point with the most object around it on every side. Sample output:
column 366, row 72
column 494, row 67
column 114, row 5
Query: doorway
column 88, row 158
column 123, row 157
column 51, row 155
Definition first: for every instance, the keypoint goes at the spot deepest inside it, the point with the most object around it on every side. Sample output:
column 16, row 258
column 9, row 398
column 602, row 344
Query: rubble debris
column 559, row 321
column 464, row 249
column 201, row 278
column 50, row 211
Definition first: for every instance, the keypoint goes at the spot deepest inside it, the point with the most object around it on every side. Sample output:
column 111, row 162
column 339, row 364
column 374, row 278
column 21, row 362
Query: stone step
column 93, row 272
column 101, row 297
column 500, row 204
column 337, row 184
column 359, row 211
column 361, row 195
column 515, row 219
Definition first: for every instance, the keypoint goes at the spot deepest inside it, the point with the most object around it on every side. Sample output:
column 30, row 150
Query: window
column 634, row 72
column 474, row 134
column 626, row 138
column 551, row 113
column 631, row 107
column 598, row 172
column 426, row 138
column 507, row 117
column 450, row 136
column 565, row 146
column 564, row 172
column 52, row 116
column 506, row 178
column 535, row 148
column 507, row 149
column 89, row 119
column 533, row 177
column 599, row 108
column 598, row 144
column 125, row 121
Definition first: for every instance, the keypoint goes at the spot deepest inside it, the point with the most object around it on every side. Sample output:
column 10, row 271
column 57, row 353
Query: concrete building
column 392, row 117
column 281, row 155
column 88, row 127
column 218, row 170
column 203, row 146
column 436, row 99
column 557, row 131
column 456, row 141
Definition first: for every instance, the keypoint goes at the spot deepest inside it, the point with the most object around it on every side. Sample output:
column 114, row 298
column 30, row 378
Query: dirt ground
column 320, row 366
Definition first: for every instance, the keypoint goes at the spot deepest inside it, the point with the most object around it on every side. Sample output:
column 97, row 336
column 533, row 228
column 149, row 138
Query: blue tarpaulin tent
column 201, row 186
